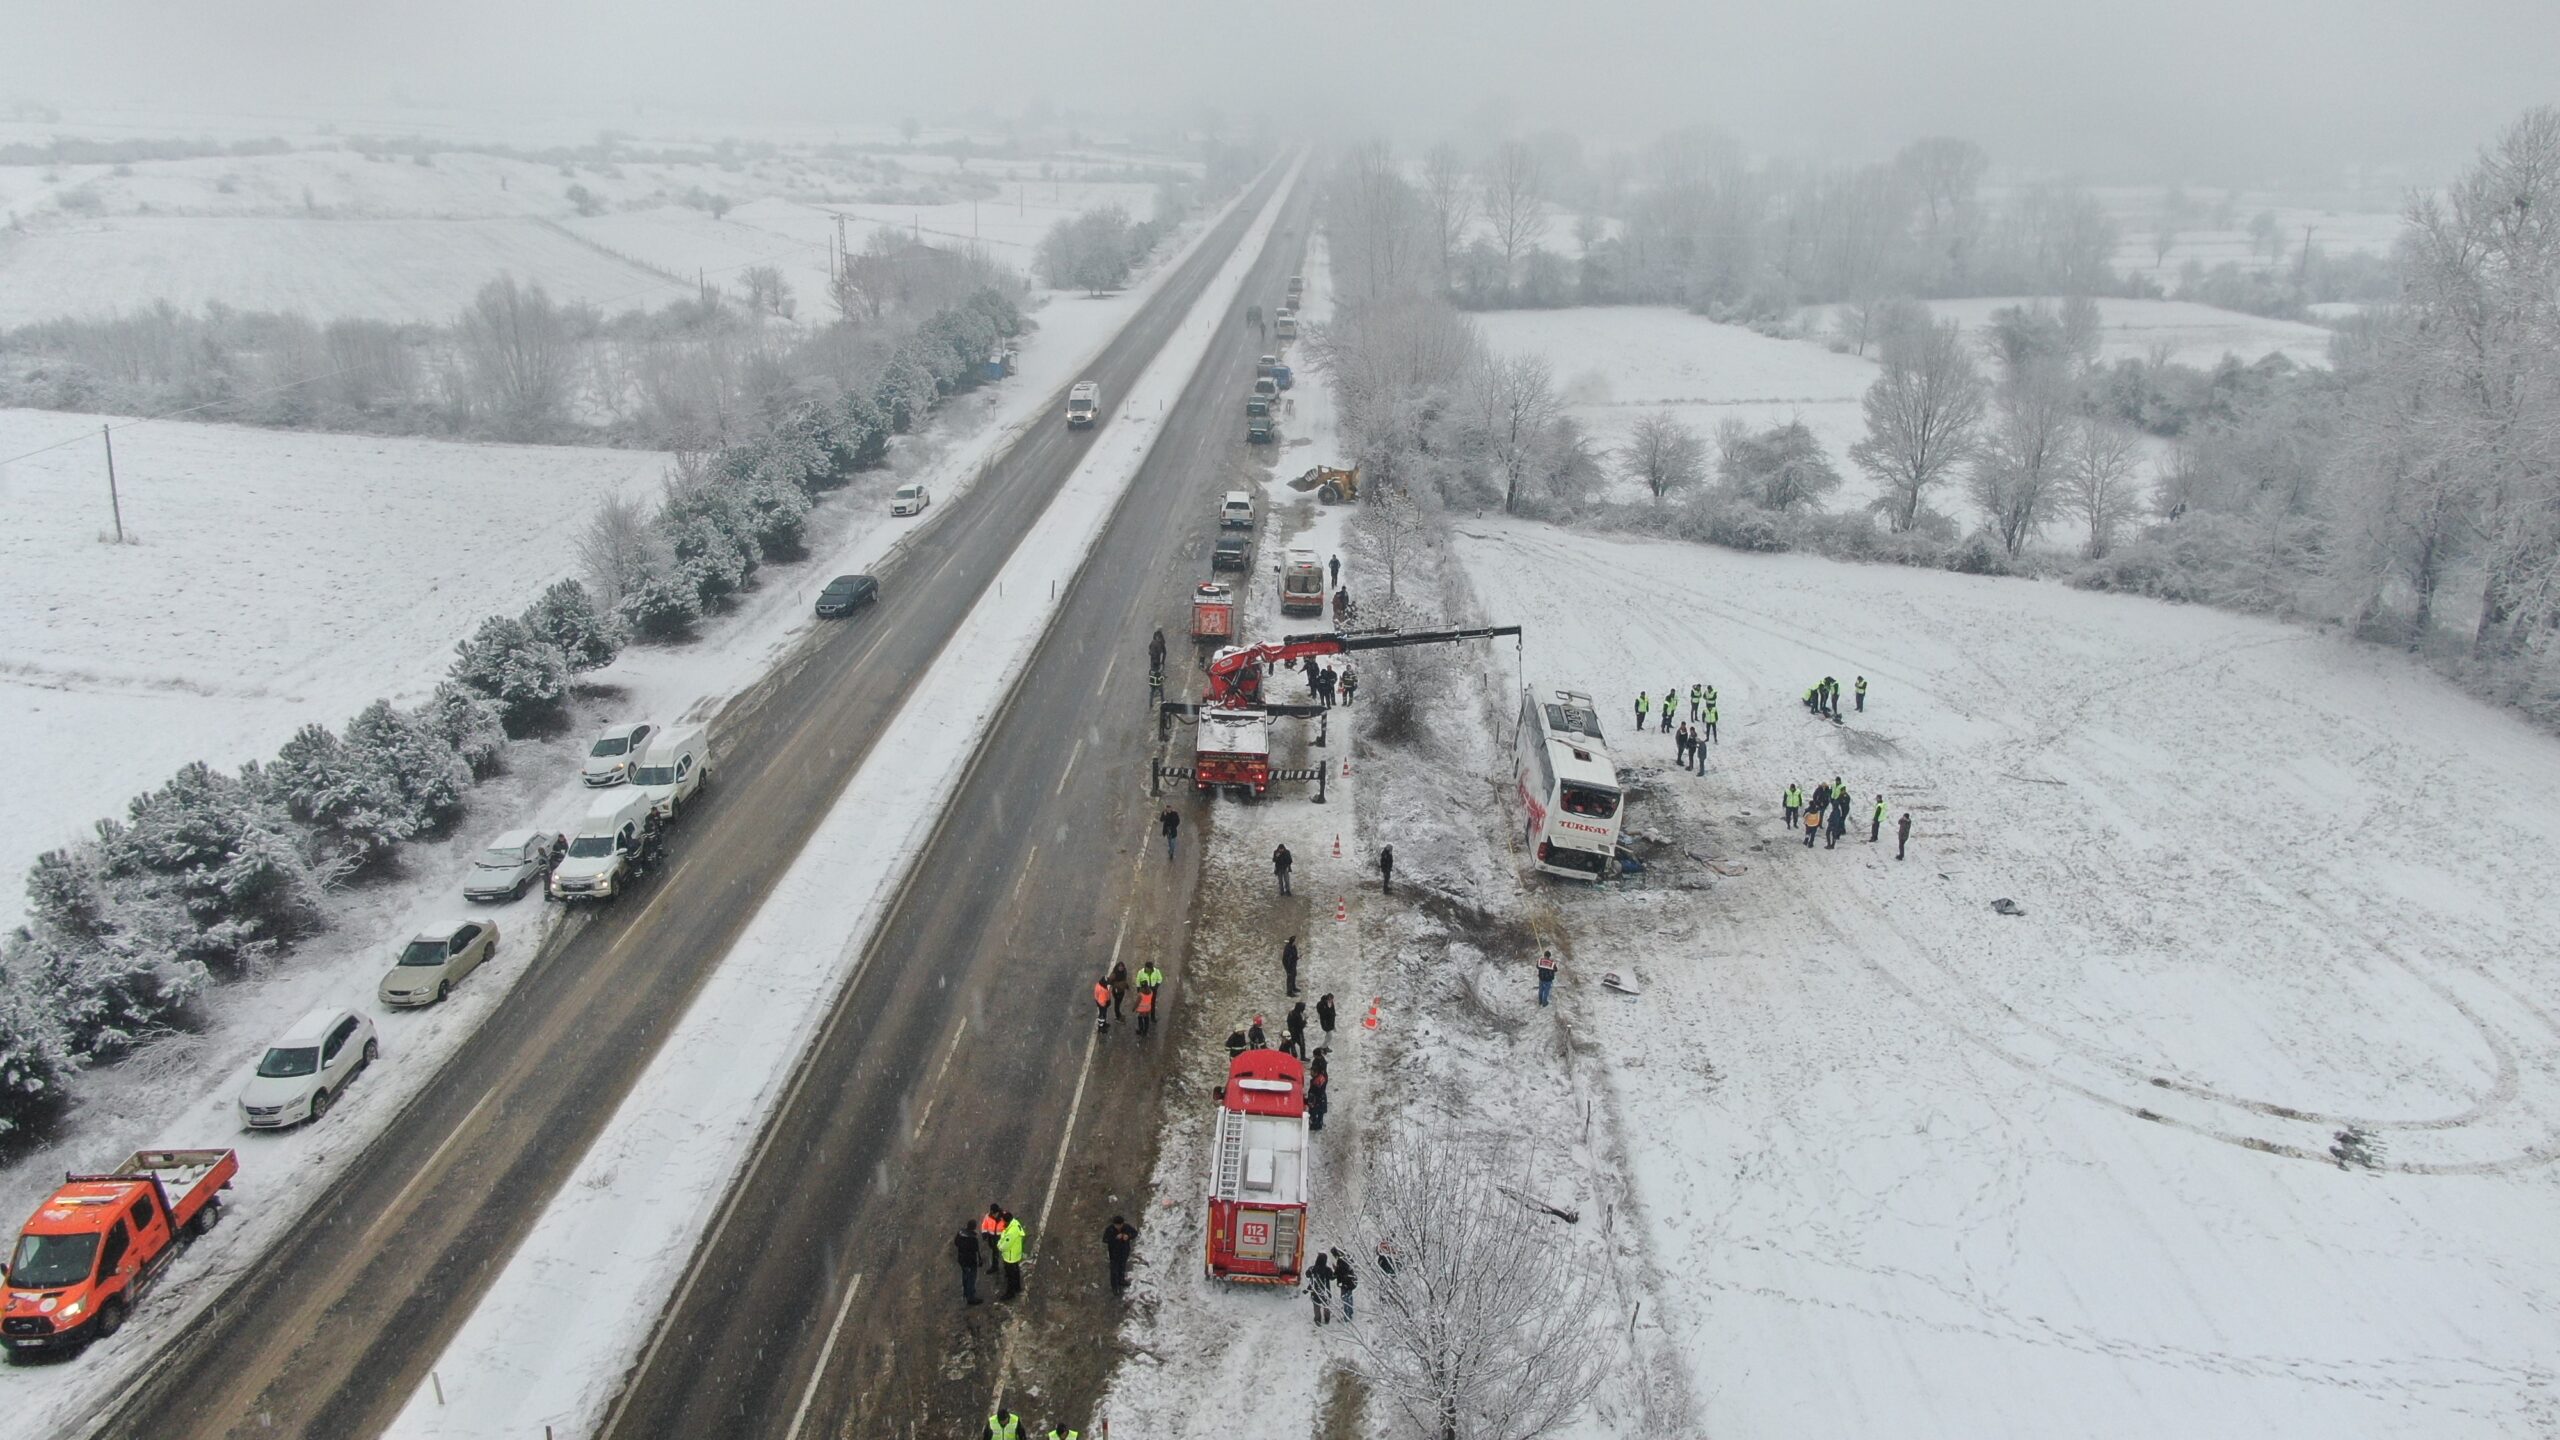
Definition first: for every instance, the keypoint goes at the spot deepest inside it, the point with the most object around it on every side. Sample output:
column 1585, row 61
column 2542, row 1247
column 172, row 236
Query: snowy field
column 1912, row 1167
column 277, row 579
column 1615, row 364
column 2198, row 335
column 331, row 233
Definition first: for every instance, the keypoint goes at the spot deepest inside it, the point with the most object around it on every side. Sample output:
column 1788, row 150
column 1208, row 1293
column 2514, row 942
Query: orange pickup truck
column 88, row 1254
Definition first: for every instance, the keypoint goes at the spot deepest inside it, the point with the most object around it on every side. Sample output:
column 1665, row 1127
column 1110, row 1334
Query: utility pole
column 114, row 501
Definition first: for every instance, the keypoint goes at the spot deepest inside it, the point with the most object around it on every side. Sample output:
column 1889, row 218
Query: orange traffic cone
column 1370, row 1022
column 1341, row 909
column 1346, row 767
column 1337, row 845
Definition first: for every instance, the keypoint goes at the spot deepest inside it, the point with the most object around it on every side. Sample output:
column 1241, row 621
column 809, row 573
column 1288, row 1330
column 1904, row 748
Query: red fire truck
column 1258, row 1172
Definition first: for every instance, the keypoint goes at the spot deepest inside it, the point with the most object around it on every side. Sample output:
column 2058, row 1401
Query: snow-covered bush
column 662, row 608
column 523, row 674
column 350, row 800
column 422, row 769
column 469, row 724
column 225, row 856
column 566, row 616
column 35, row 1066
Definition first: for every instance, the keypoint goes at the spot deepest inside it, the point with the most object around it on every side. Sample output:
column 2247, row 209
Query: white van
column 604, row 848
column 1084, row 401
column 1301, row 584
column 677, row 765
column 1236, row 512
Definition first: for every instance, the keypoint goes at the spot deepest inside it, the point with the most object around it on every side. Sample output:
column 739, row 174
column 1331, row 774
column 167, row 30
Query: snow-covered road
column 1917, row 1168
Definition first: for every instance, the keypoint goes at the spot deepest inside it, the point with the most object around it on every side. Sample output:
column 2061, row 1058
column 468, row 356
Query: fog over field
column 2193, row 85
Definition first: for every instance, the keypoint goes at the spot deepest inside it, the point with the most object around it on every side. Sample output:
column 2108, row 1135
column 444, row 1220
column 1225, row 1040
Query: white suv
column 306, row 1069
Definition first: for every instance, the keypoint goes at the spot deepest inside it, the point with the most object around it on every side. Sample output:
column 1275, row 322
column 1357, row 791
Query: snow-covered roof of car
column 512, row 840
column 313, row 1028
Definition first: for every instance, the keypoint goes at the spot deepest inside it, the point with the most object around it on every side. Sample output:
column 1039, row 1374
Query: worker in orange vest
column 1146, row 1011
column 1102, row 1003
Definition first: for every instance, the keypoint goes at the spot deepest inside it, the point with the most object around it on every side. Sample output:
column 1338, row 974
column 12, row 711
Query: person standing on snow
column 1236, row 1044
column 1344, row 1280
column 1387, row 869
column 1170, row 822
column 1546, row 975
column 1350, row 684
column 1295, row 1022
column 1281, row 860
column 1009, row 1250
column 1794, row 801
column 1711, row 724
column 1324, row 1015
column 1289, row 963
column 1839, row 825
column 1320, row 1288
column 1119, row 980
column 1670, row 707
column 1902, row 835
column 1821, row 799
column 1875, row 825
column 1318, row 1098
column 1337, row 571
column 1146, row 1011
column 1697, row 693
column 964, row 1249
column 1642, row 705
column 1812, row 825
column 1680, row 746
column 1862, row 694
column 1150, row 979
column 1102, row 1003
column 1003, row 1425
column 1118, row 1239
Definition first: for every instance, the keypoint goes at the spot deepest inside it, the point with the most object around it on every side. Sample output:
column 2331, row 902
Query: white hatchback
column 910, row 500
column 307, row 1069
column 617, row 749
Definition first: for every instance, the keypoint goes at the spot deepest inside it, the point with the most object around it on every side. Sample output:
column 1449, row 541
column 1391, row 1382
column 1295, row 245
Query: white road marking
column 1040, row 1227
column 930, row 1094
column 1069, row 769
column 392, row 1210
column 800, row 1416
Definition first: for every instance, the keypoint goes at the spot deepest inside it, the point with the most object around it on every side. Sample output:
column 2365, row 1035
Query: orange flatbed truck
column 88, row 1254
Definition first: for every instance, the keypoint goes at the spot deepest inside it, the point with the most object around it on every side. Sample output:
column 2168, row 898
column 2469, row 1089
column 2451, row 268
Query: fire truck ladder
column 1230, row 1156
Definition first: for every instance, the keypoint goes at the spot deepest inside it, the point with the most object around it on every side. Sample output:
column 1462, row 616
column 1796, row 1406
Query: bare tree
column 1921, row 416
column 1782, row 468
column 2168, row 221
column 2017, row 472
column 1664, row 454
column 2266, row 236
column 2100, row 463
column 1515, row 402
column 1515, row 201
column 1452, row 200
column 520, row 355
column 620, row 551
column 1396, row 525
column 767, row 292
column 1485, row 1329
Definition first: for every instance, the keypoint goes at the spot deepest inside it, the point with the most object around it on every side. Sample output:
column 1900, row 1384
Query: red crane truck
column 90, row 1252
column 1258, row 1171
column 1232, row 744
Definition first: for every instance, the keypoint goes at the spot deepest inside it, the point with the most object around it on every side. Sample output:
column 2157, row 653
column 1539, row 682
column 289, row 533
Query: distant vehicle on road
column 433, row 962
column 1084, row 402
column 1231, row 552
column 307, row 1069
column 97, row 1245
column 509, row 867
column 1258, row 429
column 846, row 594
column 1236, row 511
column 610, row 759
column 1285, row 325
column 677, row 766
column 1266, row 388
column 910, row 500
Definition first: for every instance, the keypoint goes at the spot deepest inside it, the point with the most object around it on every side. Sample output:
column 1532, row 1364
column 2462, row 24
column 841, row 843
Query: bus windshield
column 1589, row 800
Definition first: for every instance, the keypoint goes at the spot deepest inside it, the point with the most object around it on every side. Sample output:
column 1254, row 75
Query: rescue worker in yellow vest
column 1057, row 1434
column 1711, row 694
column 1875, row 827
column 1697, row 696
column 1003, row 1425
column 1794, row 801
column 1862, row 694
column 1009, row 1250
column 1642, row 705
column 1711, row 724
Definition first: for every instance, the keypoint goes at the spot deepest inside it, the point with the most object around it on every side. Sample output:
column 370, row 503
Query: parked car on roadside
column 678, row 765
column 846, row 594
column 433, row 962
column 513, row 864
column 1231, row 552
column 910, row 500
column 617, row 748
column 308, row 1068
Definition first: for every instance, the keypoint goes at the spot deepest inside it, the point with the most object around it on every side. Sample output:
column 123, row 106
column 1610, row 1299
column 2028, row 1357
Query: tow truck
column 91, row 1251
column 1232, row 747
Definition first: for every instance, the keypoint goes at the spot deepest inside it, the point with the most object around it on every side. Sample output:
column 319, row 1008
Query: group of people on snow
column 1825, row 813
column 1823, row 698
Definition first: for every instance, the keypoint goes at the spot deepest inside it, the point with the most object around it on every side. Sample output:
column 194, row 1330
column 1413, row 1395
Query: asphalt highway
column 331, row 1334
column 962, row 1066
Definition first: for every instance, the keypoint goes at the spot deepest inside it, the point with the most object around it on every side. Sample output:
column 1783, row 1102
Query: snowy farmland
column 277, row 579
column 332, row 233
column 1912, row 1167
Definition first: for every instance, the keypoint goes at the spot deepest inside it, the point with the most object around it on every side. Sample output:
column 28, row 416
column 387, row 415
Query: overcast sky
column 2133, row 89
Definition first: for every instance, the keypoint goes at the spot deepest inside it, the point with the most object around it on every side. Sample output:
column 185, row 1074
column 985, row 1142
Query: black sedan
column 846, row 594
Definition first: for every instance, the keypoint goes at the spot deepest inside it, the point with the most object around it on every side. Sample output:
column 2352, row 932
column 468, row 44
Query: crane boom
column 1235, row 676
